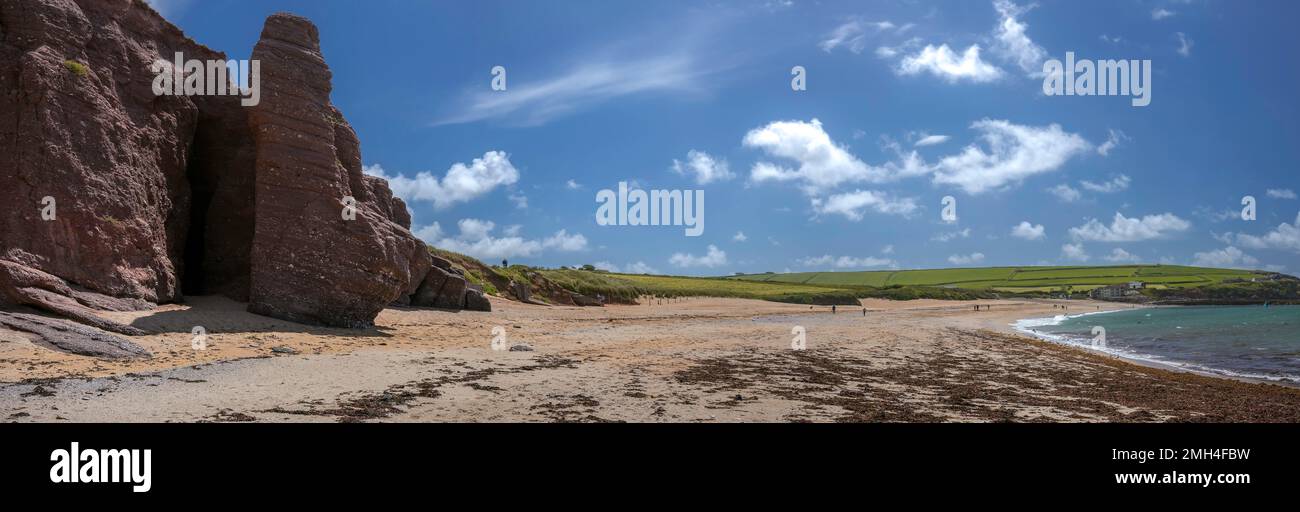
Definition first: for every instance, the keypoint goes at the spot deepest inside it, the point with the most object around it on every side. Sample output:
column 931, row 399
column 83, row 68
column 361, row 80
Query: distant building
column 1117, row 291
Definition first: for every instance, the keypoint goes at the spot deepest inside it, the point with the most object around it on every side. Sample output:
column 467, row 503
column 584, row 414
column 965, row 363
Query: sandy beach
column 696, row 360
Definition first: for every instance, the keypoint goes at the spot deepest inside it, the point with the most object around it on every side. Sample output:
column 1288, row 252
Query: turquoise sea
column 1241, row 341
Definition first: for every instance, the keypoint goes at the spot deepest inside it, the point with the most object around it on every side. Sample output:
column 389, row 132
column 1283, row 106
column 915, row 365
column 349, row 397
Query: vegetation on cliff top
column 1170, row 283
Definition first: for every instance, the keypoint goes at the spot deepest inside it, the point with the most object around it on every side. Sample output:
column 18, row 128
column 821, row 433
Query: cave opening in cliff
column 194, row 276
column 220, row 175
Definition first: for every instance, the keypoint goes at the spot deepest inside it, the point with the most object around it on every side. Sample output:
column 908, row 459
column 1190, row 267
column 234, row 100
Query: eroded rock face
column 83, row 134
column 310, row 264
column 156, row 196
column 79, row 124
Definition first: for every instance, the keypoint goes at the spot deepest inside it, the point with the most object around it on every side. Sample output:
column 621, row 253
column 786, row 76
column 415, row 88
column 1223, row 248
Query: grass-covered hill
column 1021, row 279
column 1164, row 283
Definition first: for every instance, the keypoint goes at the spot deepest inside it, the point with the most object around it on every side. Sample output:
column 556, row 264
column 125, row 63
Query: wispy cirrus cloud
column 683, row 55
column 853, row 34
column 535, row 103
column 1116, row 184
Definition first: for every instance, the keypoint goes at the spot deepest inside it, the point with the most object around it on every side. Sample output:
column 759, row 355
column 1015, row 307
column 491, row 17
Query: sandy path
column 696, row 360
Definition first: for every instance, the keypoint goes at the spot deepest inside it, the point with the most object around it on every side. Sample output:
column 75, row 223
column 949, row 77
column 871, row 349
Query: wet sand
column 699, row 360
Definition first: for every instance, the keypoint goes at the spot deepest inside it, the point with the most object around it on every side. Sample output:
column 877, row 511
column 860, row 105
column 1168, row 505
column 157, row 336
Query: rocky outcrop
column 149, row 198
column 24, row 286
column 445, row 286
column 521, row 291
column 95, row 166
column 311, row 262
column 73, row 338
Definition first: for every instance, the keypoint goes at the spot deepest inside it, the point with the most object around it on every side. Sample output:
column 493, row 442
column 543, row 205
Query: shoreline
column 1149, row 361
column 697, row 360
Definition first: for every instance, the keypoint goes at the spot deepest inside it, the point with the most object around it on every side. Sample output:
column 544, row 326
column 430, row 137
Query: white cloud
column 475, row 239
column 572, row 185
column 853, row 34
column 942, row 62
column 520, row 200
column 890, row 52
column 1012, row 43
column 639, row 267
column 853, row 205
column 888, row 249
column 1161, row 13
column 563, row 241
column 1281, row 193
column 461, row 183
column 1285, row 237
column 594, row 80
column 1015, row 152
column 1118, row 255
column 931, row 140
column 951, row 235
column 964, row 259
column 1116, row 184
column 822, row 162
column 1113, row 140
column 1074, row 252
column 429, row 233
column 1065, row 193
column 1184, row 44
column 1124, row 229
column 740, row 237
column 846, row 262
column 714, row 258
column 1227, row 257
column 1028, row 231
column 704, row 168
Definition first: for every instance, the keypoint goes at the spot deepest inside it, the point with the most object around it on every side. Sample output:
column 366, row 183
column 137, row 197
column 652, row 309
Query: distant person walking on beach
column 832, row 309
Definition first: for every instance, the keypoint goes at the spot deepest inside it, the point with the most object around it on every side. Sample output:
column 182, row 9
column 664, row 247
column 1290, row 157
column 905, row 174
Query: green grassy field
column 846, row 288
column 594, row 283
column 633, row 285
column 1014, row 279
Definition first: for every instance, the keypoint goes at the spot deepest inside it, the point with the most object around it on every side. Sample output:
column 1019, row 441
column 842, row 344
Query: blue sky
column 906, row 102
